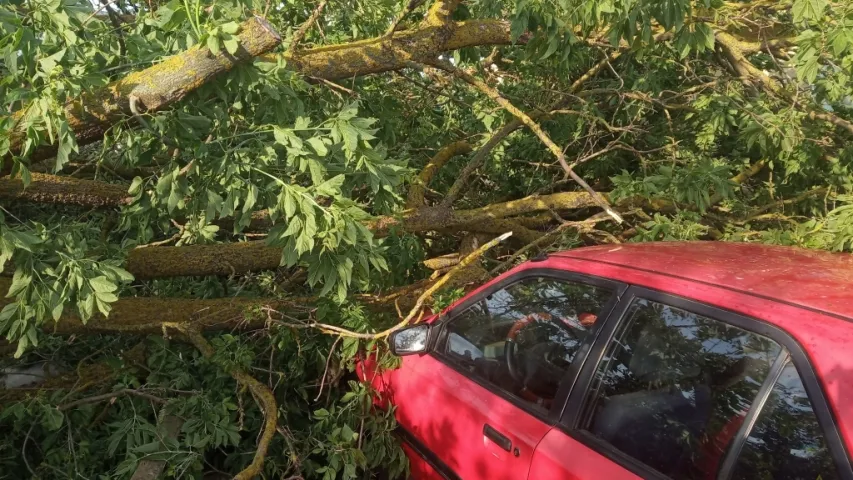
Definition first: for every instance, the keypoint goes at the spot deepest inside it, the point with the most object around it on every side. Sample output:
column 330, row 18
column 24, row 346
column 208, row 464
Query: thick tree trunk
column 155, row 87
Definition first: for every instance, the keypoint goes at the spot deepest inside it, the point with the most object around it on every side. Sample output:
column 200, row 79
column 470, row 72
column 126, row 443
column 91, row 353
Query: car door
column 676, row 389
column 498, row 374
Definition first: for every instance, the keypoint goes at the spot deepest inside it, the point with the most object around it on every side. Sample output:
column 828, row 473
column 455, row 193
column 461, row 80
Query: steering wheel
column 536, row 357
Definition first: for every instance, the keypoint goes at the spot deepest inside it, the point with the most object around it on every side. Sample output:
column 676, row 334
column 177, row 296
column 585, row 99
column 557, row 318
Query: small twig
column 303, row 29
column 335, row 85
column 326, row 370
column 413, row 4
column 105, row 5
column 110, row 396
column 24, row 450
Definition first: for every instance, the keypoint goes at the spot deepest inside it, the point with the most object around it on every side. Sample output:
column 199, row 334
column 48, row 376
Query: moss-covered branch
column 45, row 188
column 384, row 54
column 155, row 88
column 420, row 184
column 148, row 314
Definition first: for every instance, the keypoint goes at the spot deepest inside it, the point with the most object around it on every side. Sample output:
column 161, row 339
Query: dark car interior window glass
column 674, row 387
column 786, row 442
column 522, row 339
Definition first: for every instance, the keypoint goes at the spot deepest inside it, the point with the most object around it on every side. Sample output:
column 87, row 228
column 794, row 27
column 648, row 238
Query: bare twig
column 326, row 370
column 110, row 396
column 96, row 12
column 413, row 4
column 303, row 29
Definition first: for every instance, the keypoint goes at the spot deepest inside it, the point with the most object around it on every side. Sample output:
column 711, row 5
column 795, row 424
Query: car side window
column 523, row 338
column 786, row 441
column 674, row 387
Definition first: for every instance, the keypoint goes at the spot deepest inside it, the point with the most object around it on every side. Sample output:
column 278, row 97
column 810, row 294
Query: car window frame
column 567, row 383
column 570, row 417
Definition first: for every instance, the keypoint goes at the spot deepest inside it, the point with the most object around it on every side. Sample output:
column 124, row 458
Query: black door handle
column 500, row 439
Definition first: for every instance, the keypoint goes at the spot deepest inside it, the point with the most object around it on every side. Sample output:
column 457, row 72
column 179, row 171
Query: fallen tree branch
column 46, row 188
column 385, row 54
column 145, row 315
column 262, row 394
column 732, row 48
column 156, row 87
column 240, row 258
column 532, row 125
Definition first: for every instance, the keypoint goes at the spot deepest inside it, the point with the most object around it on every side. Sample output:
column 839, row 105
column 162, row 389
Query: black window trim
column 571, row 415
column 566, row 385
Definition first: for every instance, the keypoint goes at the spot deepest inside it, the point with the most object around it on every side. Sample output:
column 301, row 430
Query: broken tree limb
column 420, row 184
column 532, row 125
column 385, row 54
column 733, row 50
column 157, row 87
column 240, row 258
column 46, row 188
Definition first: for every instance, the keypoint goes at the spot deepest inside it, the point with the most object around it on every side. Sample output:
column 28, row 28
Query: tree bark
column 418, row 188
column 384, row 54
column 144, row 315
column 155, row 88
column 45, row 188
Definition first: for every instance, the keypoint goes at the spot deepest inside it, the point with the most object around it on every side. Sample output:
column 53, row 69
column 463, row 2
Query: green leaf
column 135, row 186
column 213, row 44
column 808, row 10
column 102, row 284
column 318, row 171
column 318, row 146
column 231, row 45
column 20, row 281
column 51, row 418
column 230, row 27
column 331, row 187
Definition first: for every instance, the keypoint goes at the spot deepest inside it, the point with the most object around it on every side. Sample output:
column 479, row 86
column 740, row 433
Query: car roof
column 813, row 279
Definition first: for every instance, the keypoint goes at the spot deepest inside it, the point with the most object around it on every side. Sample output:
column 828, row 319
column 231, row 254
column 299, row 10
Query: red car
column 662, row 360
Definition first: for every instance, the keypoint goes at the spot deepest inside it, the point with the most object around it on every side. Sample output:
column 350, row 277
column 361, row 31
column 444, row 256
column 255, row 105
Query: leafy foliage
column 693, row 128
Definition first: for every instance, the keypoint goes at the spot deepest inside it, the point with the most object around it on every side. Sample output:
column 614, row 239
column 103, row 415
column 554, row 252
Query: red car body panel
column 805, row 293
